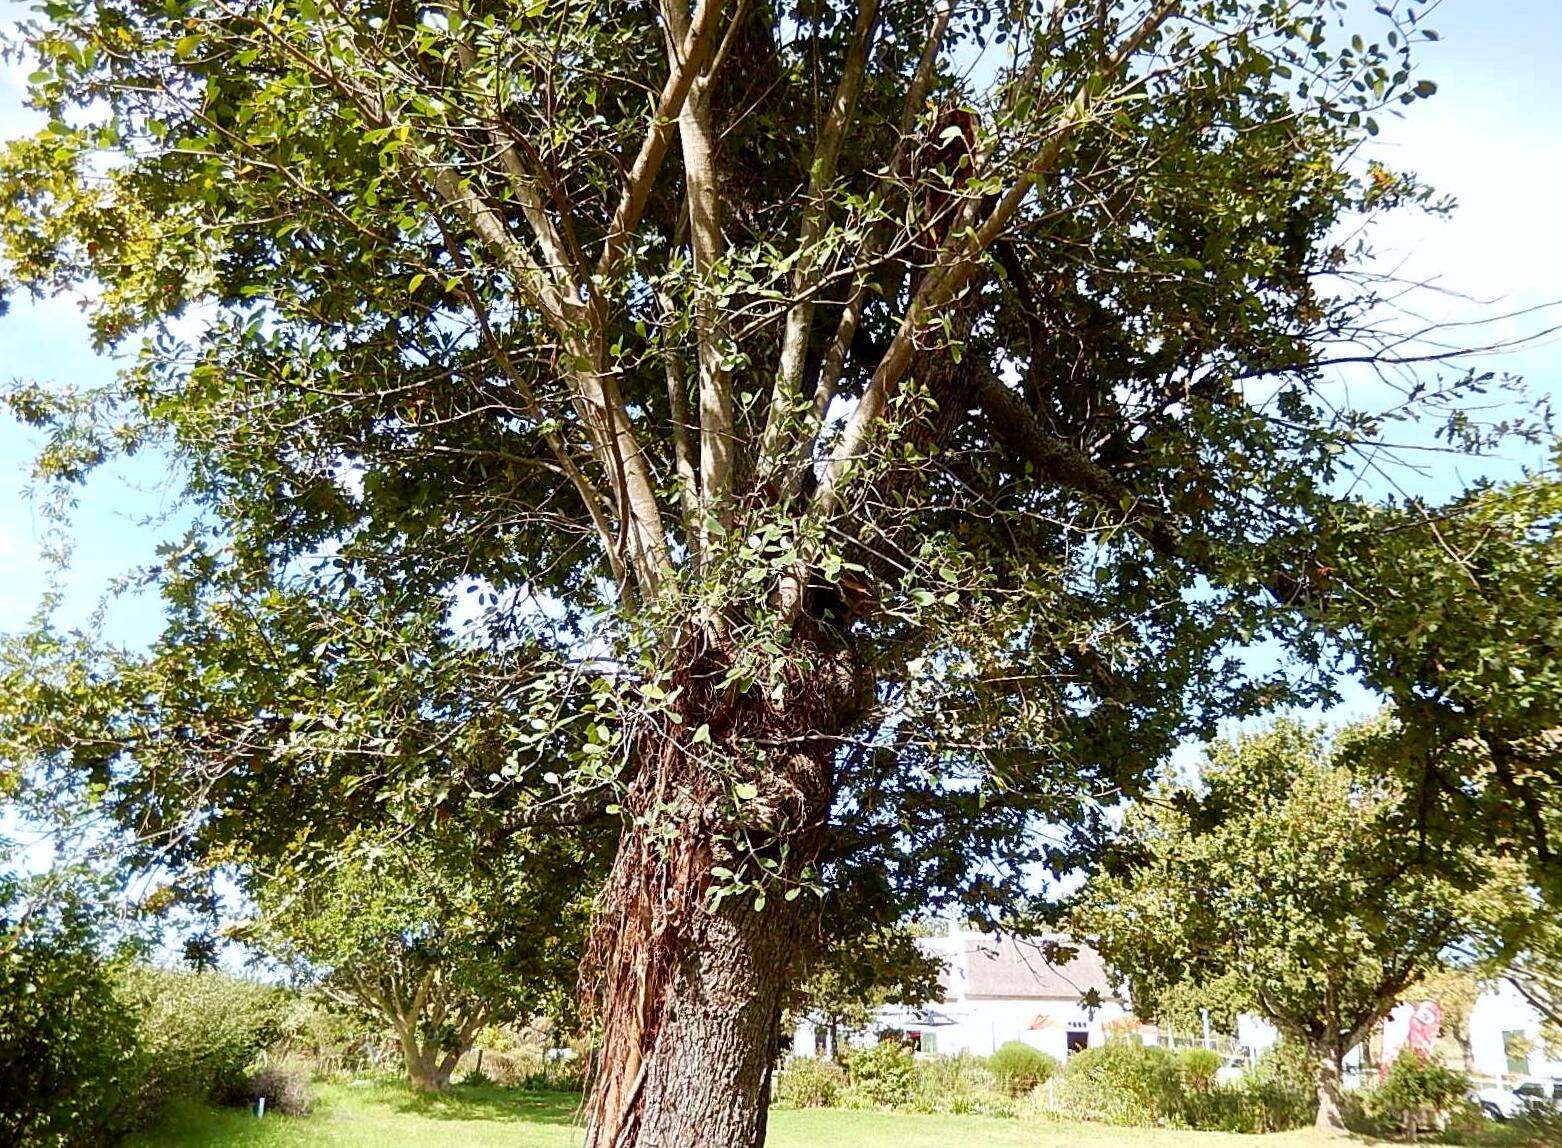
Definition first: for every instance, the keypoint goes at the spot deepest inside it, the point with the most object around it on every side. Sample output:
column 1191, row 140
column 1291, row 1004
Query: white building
column 998, row 989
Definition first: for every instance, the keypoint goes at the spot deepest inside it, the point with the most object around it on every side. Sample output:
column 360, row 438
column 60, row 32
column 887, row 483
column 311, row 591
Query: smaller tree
column 1283, row 877
column 1456, row 991
column 1418, row 1093
column 429, row 944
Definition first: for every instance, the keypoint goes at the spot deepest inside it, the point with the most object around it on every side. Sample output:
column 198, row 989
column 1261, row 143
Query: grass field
column 385, row 1116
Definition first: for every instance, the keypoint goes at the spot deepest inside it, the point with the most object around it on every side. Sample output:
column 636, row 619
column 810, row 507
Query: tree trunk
column 702, row 1083
column 423, row 1075
column 1331, row 1119
column 1466, row 1051
column 427, row 1070
column 696, row 930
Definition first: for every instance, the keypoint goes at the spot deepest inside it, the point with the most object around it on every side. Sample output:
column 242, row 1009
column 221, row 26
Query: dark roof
column 1019, row 967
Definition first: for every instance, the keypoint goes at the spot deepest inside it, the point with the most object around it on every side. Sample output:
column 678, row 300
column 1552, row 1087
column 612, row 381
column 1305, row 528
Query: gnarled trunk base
column 704, row 1082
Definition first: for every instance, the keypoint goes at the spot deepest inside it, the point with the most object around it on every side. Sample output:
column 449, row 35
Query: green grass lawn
column 386, row 1116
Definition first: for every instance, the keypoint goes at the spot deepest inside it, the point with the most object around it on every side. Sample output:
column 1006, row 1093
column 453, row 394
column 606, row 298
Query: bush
column 884, row 1076
column 1198, row 1067
column 1126, row 1083
column 1538, row 1124
column 1121, row 1082
column 200, row 1032
column 557, row 1074
column 806, row 1082
column 1019, row 1068
column 284, row 1084
column 1286, row 1064
column 960, row 1085
column 1248, row 1107
column 335, row 1044
column 1417, row 1093
column 67, row 1041
column 1281, row 1083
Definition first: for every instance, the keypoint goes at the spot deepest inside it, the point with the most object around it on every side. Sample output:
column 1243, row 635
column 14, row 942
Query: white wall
column 1506, row 1010
column 981, row 1026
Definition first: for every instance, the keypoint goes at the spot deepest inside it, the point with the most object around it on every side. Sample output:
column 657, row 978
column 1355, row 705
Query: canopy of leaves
column 1455, row 612
column 68, row 1036
column 1286, row 882
column 983, row 345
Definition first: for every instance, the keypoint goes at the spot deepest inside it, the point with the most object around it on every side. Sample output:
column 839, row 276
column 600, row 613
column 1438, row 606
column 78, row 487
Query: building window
column 1077, row 1039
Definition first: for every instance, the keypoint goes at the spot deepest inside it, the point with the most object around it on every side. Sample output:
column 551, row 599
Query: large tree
column 433, row 951
column 865, row 432
column 1282, row 881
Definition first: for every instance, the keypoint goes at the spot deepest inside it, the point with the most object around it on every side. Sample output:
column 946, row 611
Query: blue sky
column 1492, row 138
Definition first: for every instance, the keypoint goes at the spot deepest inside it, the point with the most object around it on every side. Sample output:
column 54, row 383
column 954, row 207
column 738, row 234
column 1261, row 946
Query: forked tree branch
column 961, row 254
column 698, row 43
column 821, row 174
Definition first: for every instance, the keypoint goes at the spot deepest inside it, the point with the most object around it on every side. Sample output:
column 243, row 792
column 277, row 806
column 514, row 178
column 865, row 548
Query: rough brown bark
column 687, row 992
column 702, row 1084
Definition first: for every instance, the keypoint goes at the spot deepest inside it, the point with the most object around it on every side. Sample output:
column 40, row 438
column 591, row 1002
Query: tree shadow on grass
column 487, row 1102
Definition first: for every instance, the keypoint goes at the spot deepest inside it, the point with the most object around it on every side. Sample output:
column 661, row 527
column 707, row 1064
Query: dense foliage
column 1285, row 874
column 1457, row 606
column 198, row 1034
column 68, row 1041
column 93, row 1045
column 1417, row 1093
column 1019, row 1068
column 882, row 1075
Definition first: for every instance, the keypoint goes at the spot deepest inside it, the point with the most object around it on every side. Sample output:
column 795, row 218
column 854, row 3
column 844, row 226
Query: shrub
column 1198, row 1067
column 1248, row 1107
column 200, row 1032
column 883, row 1076
column 557, row 1074
column 1281, row 1082
column 960, row 1085
column 1285, row 1064
column 67, row 1042
column 1121, row 1082
column 335, row 1043
column 1019, row 1068
column 809, row 1083
column 1538, row 1124
column 1126, row 1083
column 1417, row 1093
column 284, row 1084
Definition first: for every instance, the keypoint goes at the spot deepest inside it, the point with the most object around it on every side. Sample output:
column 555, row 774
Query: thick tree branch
column 821, row 174
column 698, row 44
column 961, row 255
column 718, row 443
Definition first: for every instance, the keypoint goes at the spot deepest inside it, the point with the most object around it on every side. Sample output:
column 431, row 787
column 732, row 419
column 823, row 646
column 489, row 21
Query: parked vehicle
column 1504, row 1102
